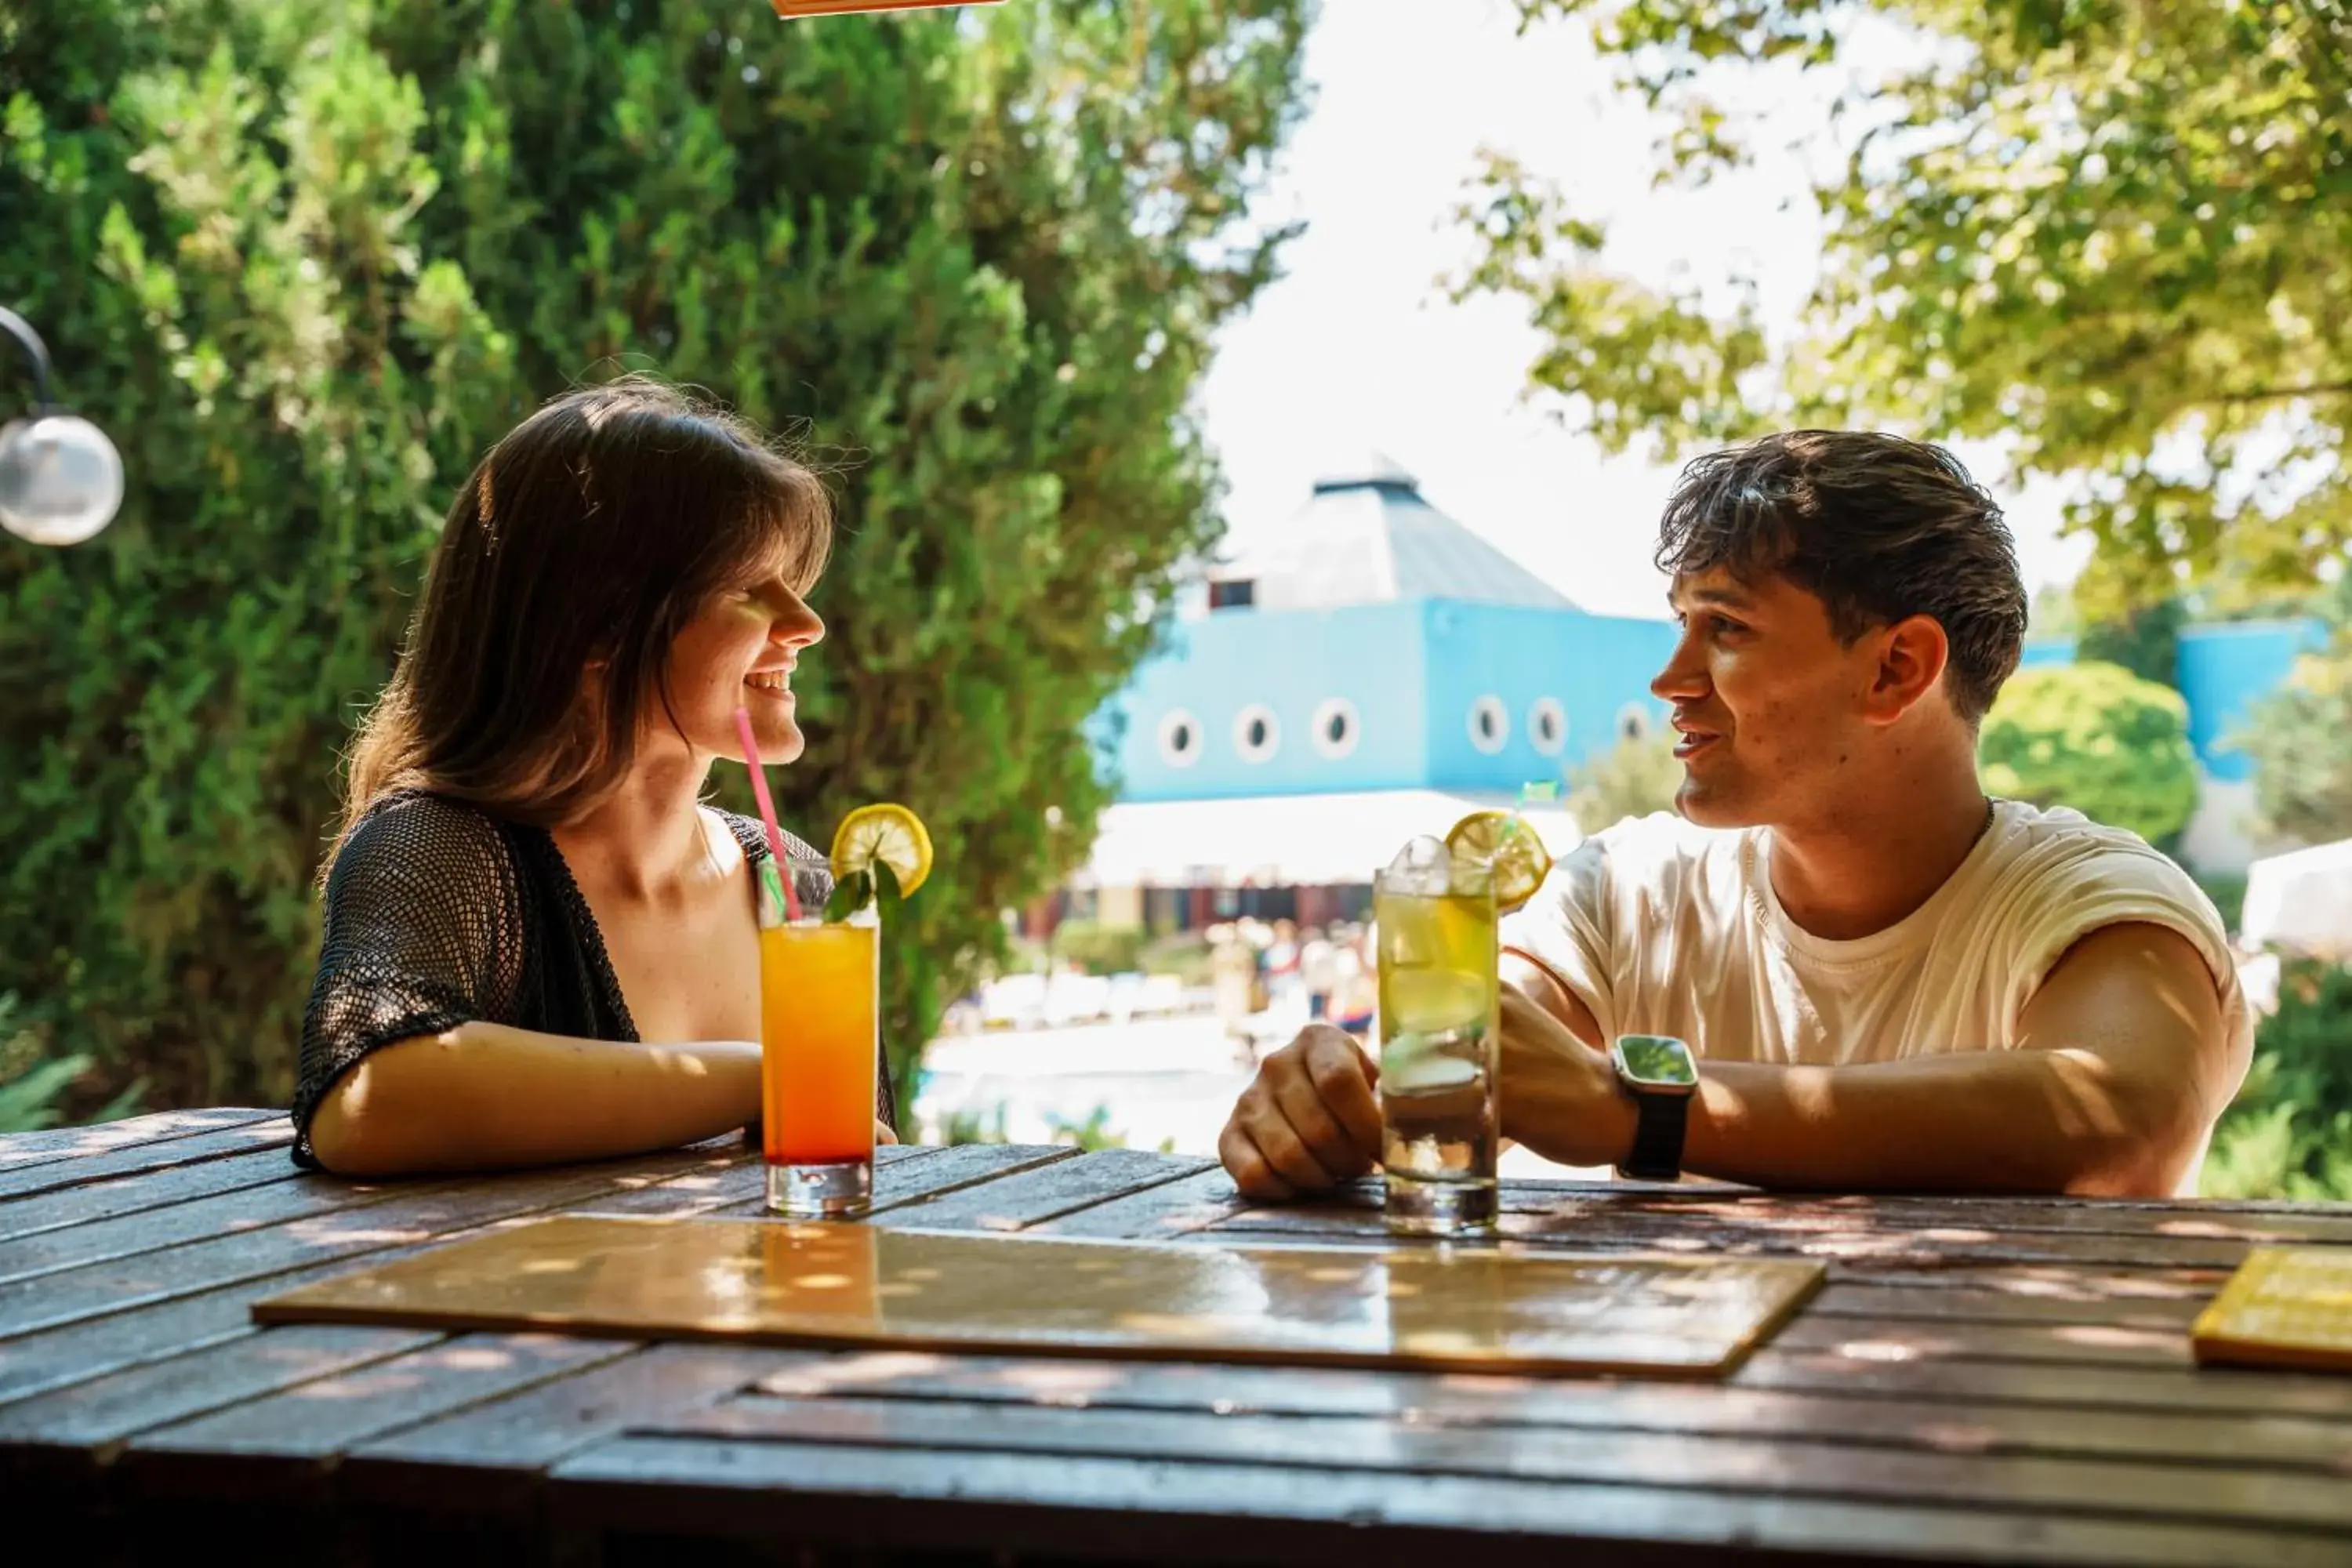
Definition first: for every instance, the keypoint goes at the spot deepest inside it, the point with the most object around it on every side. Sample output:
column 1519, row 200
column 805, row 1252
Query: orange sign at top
column 789, row 8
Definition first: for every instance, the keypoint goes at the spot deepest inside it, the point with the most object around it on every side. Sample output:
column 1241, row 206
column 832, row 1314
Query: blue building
column 1370, row 672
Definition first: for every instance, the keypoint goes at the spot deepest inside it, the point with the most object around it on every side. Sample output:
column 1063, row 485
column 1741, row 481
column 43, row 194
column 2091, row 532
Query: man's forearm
column 2019, row 1120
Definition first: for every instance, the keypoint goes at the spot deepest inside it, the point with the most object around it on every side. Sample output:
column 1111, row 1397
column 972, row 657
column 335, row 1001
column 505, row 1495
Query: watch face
column 1658, row 1061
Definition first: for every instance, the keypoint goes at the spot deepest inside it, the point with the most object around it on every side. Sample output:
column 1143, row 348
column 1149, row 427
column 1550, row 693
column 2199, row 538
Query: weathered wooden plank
column 1163, row 1510
column 1866, row 1365
column 98, row 1289
column 1176, row 1208
column 1861, row 1369
column 1608, row 1209
column 91, row 1418
column 491, row 1457
column 1887, row 1246
column 2213, row 1492
column 121, row 1196
column 130, row 1159
column 1881, row 1249
column 1883, row 1300
column 955, row 1168
column 2058, row 1282
column 2233, row 1219
column 78, row 1352
column 1504, row 1403
column 742, row 1185
column 287, row 1441
column 1042, row 1192
column 59, row 1358
column 2007, row 1215
column 17, row 1149
column 2064, row 1345
column 299, row 1196
column 943, row 1171
column 1534, row 1192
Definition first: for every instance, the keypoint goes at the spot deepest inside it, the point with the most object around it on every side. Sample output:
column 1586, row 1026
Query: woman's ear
column 1912, row 654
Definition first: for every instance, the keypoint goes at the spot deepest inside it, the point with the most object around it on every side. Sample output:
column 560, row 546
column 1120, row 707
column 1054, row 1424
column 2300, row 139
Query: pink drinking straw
column 767, row 812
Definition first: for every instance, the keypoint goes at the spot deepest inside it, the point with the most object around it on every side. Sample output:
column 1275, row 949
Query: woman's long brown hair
column 573, row 554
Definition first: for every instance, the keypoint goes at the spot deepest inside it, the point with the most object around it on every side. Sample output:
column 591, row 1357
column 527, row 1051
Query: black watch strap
column 1657, row 1153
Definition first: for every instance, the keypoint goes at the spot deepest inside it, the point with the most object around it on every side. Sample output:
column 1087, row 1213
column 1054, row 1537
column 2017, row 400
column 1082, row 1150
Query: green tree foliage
column 1635, row 778
column 2289, row 1133
column 36, row 1086
column 2097, row 737
column 2110, row 234
column 2146, row 641
column 307, row 259
column 2299, row 738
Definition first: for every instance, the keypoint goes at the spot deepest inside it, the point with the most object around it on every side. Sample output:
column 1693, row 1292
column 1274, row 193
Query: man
column 1887, row 982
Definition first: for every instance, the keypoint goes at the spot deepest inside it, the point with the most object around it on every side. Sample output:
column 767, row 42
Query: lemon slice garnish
column 886, row 833
column 1504, row 841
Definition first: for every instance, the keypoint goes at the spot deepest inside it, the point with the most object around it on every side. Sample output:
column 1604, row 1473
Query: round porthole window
column 1634, row 721
column 1490, row 724
column 1179, row 739
column 1337, row 728
column 1256, row 734
column 1547, row 726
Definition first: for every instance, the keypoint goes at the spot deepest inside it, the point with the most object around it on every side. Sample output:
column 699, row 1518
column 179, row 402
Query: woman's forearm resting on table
column 2122, row 1064
column 484, row 1097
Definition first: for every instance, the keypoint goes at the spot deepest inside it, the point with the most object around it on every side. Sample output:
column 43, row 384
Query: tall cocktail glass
column 1440, row 1126
column 819, row 1039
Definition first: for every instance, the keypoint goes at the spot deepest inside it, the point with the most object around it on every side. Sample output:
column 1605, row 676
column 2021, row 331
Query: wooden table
column 1980, row 1380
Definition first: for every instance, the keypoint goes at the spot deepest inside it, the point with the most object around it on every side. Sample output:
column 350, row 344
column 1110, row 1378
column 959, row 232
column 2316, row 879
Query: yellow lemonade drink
column 1439, row 1026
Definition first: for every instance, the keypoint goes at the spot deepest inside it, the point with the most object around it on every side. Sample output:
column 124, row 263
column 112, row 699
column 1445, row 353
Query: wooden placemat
column 2286, row 1306
column 764, row 1282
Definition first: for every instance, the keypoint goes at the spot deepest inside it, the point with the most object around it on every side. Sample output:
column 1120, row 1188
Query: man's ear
column 1912, row 654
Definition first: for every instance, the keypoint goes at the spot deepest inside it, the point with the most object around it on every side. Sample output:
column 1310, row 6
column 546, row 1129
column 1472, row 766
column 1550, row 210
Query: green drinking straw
column 767, row 811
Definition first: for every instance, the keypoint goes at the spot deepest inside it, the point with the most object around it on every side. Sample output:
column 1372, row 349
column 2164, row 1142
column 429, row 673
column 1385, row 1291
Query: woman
column 539, row 945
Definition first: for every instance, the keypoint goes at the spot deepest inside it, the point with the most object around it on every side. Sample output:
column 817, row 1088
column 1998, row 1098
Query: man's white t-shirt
column 1663, row 928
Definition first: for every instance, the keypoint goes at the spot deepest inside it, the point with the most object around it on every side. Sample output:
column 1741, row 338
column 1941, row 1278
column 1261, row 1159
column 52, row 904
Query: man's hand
column 1559, row 1097
column 1307, row 1120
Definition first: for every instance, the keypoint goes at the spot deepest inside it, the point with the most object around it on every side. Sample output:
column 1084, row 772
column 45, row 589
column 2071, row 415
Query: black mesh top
column 440, row 914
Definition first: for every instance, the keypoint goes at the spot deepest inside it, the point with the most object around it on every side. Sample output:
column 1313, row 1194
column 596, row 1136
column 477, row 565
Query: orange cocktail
column 818, row 1044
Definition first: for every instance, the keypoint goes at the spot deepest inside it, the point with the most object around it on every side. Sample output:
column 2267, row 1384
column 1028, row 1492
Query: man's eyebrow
column 1726, row 598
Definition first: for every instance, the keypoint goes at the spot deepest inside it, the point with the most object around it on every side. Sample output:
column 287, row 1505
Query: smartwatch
column 1660, row 1073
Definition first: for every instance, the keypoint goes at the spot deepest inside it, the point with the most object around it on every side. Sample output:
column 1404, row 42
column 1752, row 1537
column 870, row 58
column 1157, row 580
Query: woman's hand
column 882, row 1133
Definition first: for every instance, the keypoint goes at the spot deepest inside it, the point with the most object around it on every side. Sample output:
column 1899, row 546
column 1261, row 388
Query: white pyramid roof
column 1366, row 536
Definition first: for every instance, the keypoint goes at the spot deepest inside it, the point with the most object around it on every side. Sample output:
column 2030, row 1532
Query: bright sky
column 1357, row 348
